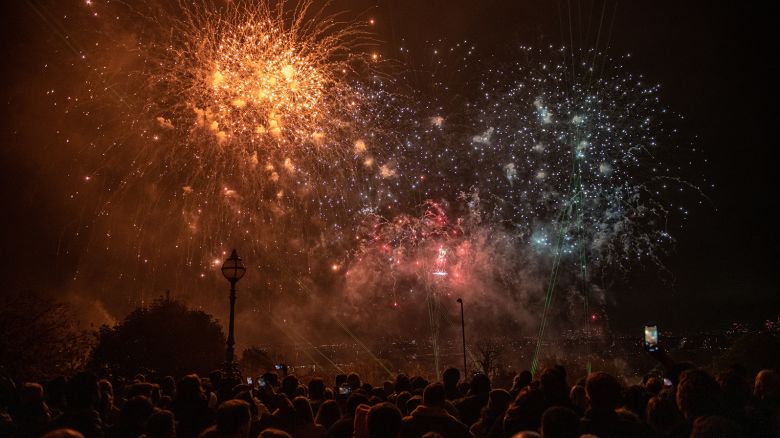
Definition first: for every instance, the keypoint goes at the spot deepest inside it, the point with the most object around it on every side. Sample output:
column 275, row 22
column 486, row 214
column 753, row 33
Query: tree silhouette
column 40, row 338
column 489, row 350
column 165, row 338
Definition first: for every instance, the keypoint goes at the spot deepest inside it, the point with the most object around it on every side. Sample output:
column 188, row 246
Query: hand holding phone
column 651, row 338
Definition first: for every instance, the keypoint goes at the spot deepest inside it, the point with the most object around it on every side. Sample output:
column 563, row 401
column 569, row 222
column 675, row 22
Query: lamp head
column 233, row 268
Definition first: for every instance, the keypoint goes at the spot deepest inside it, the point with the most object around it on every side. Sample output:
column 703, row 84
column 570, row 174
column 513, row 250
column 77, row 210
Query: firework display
column 554, row 175
column 569, row 158
column 246, row 123
column 273, row 127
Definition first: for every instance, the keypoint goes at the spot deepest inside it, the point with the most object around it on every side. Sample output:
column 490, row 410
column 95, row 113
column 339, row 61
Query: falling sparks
column 270, row 126
column 241, row 116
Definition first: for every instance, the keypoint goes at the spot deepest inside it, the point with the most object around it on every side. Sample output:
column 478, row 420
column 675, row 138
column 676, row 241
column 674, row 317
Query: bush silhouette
column 165, row 338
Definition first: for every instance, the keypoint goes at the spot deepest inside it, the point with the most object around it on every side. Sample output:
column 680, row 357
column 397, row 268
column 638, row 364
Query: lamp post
column 463, row 332
column 233, row 269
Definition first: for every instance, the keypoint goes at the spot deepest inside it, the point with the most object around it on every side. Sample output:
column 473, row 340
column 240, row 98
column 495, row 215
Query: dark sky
column 714, row 62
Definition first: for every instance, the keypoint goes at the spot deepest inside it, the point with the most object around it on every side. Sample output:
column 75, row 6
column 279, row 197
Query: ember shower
column 274, row 129
column 237, row 125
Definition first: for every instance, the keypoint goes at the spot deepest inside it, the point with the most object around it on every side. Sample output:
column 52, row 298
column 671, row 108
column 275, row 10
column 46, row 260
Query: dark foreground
column 680, row 401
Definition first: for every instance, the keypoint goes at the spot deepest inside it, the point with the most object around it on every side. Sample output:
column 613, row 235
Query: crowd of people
column 686, row 402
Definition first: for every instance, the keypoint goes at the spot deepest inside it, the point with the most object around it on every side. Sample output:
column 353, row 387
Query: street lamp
column 463, row 332
column 233, row 269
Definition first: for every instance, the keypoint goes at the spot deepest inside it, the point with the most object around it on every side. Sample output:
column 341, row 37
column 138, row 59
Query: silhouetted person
column 316, row 389
column 401, row 402
column 274, row 433
column 233, row 419
column 63, row 433
column 132, row 418
column 213, row 386
column 560, row 422
column 767, row 388
column 736, row 394
column 498, row 403
column 715, row 427
column 377, row 394
column 418, row 385
column 360, row 428
column 190, row 407
column 635, row 400
column 144, row 389
column 168, row 386
column 353, row 380
column 389, row 388
column 161, row 424
column 345, row 426
column 284, row 414
column 83, row 397
column 271, row 379
column 55, row 392
column 402, row 383
column 520, row 381
column 290, row 386
column 303, row 425
column 578, row 399
column 525, row 413
column 698, row 394
column 763, row 416
column 664, row 418
column 384, row 421
column 554, row 387
column 470, row 406
column 328, row 414
column 413, row 402
column 432, row 416
column 451, row 377
column 109, row 412
column 267, row 393
column 529, row 434
column 32, row 416
column 654, row 385
column 601, row 420
column 257, row 410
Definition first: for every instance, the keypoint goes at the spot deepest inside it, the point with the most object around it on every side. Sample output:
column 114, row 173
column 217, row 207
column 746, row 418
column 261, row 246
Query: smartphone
column 248, row 380
column 344, row 390
column 651, row 337
column 261, row 382
column 667, row 382
column 279, row 366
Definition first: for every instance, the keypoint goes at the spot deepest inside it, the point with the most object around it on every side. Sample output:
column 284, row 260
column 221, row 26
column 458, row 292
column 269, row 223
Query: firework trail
column 266, row 126
column 582, row 177
column 541, row 135
column 231, row 124
column 569, row 162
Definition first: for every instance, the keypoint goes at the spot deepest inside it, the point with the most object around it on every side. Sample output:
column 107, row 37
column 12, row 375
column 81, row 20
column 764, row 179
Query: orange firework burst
column 238, row 123
column 269, row 81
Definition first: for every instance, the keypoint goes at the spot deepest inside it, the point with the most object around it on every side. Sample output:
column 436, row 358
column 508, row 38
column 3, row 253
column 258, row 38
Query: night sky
column 714, row 63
